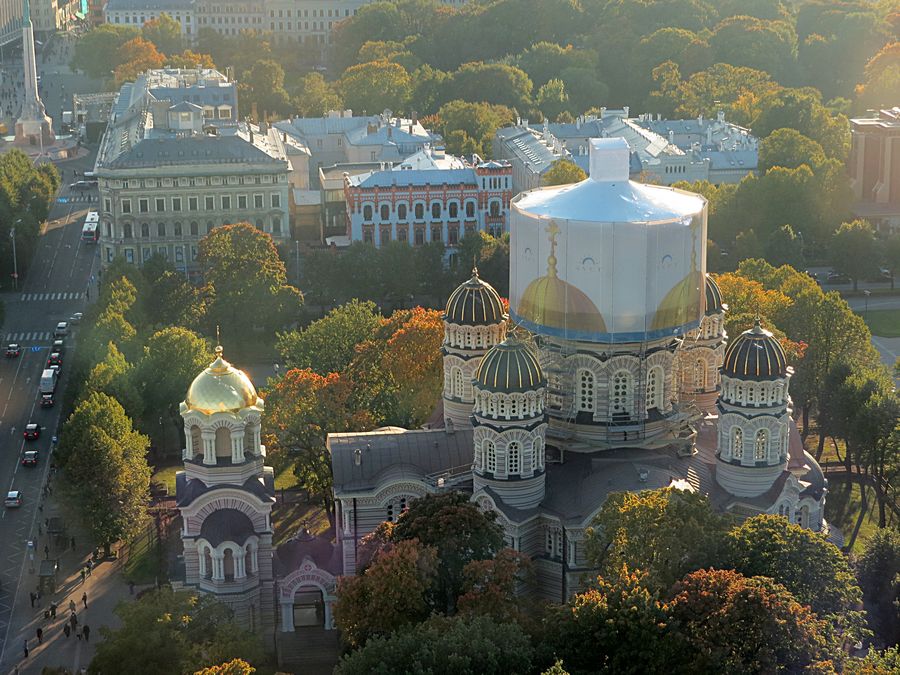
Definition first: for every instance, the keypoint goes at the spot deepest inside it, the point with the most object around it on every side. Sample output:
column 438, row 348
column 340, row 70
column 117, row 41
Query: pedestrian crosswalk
column 77, row 198
column 43, row 297
column 33, row 336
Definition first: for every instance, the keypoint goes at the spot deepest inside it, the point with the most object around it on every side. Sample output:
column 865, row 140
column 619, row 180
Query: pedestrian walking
column 46, row 552
column 73, row 543
column 86, row 631
column 53, row 610
column 73, row 620
column 33, row 598
column 82, row 575
column 71, row 605
column 84, row 599
column 131, row 588
column 67, row 629
column 25, row 648
column 40, row 635
column 78, row 632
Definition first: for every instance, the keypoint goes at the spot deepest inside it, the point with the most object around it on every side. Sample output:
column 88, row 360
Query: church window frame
column 699, row 375
column 457, row 386
column 586, row 390
column 737, row 443
column 395, row 508
column 490, row 457
column 761, row 445
column 513, row 458
column 477, row 460
column 621, row 392
column 655, row 388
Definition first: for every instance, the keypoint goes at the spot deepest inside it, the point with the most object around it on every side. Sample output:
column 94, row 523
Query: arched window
column 367, row 212
column 458, row 382
column 585, row 390
column 513, row 458
column 478, row 456
column 490, row 457
column 276, row 224
column 145, row 230
column 454, row 210
column 127, row 230
column 394, row 508
column 177, row 229
column 436, row 210
column 195, row 228
column 621, row 393
column 654, row 388
column 495, row 209
column 470, row 209
column 737, row 443
column 537, row 457
column 751, row 394
column 401, row 212
column 385, row 212
column 699, row 375
column 420, row 211
column 761, row 449
column 161, row 229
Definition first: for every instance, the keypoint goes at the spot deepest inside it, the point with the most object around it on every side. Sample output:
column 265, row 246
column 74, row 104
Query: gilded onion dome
column 755, row 355
column 509, row 367
column 474, row 303
column 550, row 301
column 221, row 388
column 714, row 303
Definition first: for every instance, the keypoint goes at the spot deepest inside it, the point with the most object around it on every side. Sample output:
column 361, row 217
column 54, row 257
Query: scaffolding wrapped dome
column 608, row 259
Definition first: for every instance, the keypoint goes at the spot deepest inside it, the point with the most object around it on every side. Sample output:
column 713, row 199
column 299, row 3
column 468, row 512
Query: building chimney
column 627, row 109
column 720, row 116
column 609, row 159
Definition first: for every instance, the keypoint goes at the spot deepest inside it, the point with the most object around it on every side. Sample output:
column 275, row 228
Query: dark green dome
column 509, row 367
column 714, row 303
column 755, row 355
column 474, row 303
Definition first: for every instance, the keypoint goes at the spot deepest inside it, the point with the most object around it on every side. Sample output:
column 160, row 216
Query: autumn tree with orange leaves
column 137, row 56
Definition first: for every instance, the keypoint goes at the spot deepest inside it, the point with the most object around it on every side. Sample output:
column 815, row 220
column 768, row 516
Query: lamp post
column 866, row 293
column 12, row 235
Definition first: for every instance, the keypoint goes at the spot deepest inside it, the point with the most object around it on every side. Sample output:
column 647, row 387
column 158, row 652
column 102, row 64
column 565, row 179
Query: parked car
column 13, row 499
column 54, row 360
column 59, row 346
column 13, row 350
column 47, row 400
column 83, row 185
column 839, row 278
column 30, row 458
column 32, row 432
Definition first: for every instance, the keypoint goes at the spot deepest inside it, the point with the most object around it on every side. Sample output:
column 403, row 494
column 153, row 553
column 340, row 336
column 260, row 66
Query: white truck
column 48, row 381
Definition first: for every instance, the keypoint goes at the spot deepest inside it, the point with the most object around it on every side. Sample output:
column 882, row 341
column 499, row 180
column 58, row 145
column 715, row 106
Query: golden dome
column 221, row 388
column 681, row 304
column 550, row 301
column 475, row 303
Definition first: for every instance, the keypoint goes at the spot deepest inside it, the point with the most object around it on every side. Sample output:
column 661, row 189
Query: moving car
column 839, row 278
column 54, row 360
column 32, row 431
column 83, row 185
column 76, row 317
column 13, row 350
column 58, row 346
column 13, row 499
column 47, row 400
column 62, row 329
column 30, row 458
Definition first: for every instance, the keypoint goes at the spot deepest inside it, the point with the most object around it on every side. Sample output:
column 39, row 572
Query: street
column 54, row 289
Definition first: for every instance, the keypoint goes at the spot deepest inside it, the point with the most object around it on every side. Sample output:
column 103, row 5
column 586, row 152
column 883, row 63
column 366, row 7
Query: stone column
column 287, row 615
column 189, row 449
column 202, row 556
column 208, row 438
column 237, row 446
column 257, row 440
column 254, row 561
column 240, row 570
column 218, row 570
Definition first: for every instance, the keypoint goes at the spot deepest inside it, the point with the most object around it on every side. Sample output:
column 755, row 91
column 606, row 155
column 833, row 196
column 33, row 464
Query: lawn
column 883, row 322
column 294, row 514
column 166, row 476
column 842, row 509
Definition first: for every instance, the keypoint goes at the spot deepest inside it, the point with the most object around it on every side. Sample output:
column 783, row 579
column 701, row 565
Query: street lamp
column 866, row 293
column 12, row 235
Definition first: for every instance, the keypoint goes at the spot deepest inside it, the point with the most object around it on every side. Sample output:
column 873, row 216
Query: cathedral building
column 611, row 371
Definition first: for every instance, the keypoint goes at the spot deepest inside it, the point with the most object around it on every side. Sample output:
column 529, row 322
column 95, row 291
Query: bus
column 89, row 233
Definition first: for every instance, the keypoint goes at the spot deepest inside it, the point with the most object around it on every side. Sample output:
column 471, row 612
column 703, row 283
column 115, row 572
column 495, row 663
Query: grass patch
column 290, row 517
column 285, row 479
column 883, row 322
column 842, row 509
column 166, row 476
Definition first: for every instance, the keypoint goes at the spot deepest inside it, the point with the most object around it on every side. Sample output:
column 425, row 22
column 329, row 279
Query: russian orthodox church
column 611, row 371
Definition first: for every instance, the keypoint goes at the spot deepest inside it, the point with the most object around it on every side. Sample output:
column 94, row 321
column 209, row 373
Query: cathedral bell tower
column 225, row 494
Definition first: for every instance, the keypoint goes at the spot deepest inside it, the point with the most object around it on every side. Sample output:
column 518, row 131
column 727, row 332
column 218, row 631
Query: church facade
column 590, row 383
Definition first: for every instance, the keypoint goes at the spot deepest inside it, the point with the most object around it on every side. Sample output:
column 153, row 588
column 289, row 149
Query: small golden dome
column 475, row 303
column 221, row 388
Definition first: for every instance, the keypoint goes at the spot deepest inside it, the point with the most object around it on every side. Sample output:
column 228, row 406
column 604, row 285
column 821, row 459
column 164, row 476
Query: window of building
column 385, row 212
column 454, row 210
column 195, row 228
column 276, row 225
column 495, row 209
column 129, row 255
column 161, row 229
column 470, row 209
column 490, row 457
column 737, row 443
column 226, row 202
column 107, row 204
column 436, row 210
column 242, row 201
column 146, row 253
column 276, row 200
column 513, row 458
column 419, row 211
column 367, row 213
column 210, row 203
column 192, row 203
column 621, row 393
column 419, row 236
column 585, row 390
column 457, row 382
column 453, row 236
column 193, row 252
column 654, row 388
column 699, row 375
column 160, row 204
column 176, row 203
column 401, row 212
column 126, row 206
column 143, row 205
column 209, row 226
column 436, row 234
column 145, row 230
column 177, row 228
column 179, row 254
column 761, row 447
column 537, row 458
column 257, row 201
column 394, row 508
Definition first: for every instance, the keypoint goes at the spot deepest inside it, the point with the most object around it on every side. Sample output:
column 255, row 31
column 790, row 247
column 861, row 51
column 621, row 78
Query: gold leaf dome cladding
column 509, row 367
column 475, row 303
column 221, row 388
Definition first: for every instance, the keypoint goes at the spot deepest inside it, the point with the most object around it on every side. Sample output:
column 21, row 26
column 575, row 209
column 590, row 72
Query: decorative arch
column 207, row 504
column 307, row 575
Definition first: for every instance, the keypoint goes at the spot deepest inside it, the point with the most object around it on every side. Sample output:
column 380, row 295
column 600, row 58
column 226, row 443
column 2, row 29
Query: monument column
column 33, row 127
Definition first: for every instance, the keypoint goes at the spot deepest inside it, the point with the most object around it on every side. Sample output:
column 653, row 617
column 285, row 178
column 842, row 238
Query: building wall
column 230, row 17
column 138, row 17
column 123, row 195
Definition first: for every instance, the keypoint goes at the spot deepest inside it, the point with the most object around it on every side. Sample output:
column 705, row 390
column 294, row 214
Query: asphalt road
column 54, row 289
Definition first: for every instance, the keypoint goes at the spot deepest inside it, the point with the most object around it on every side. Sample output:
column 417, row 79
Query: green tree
column 375, row 86
column 329, row 344
column 102, row 454
column 495, row 83
column 665, row 533
column 165, row 33
column 545, row 60
column 97, row 51
column 458, row 530
column 249, row 280
column 784, row 247
column 113, row 376
column 552, row 98
column 233, row 667
column 172, row 632
column 478, row 121
column 445, row 646
column 392, row 592
column 563, row 172
column 264, row 87
column 741, row 625
column 854, row 250
column 803, row 111
column 877, row 569
column 315, row 97
column 789, row 148
column 811, row 568
column 765, row 45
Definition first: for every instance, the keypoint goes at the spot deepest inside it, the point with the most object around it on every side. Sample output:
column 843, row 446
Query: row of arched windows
column 474, row 337
column 193, row 229
column 508, row 406
column 764, row 448
column 487, row 455
column 756, row 394
column 436, row 211
column 621, row 390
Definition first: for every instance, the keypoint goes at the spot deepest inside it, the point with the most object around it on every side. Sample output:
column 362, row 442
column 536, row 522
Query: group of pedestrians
column 71, row 625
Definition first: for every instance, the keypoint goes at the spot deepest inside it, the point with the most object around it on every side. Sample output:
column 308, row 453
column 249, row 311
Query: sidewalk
column 105, row 589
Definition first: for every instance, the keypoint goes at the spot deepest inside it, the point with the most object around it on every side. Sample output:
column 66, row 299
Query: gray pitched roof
column 153, row 152
column 395, row 453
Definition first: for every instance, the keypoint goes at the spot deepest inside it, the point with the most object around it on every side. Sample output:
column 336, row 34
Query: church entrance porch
column 306, row 639
column 309, row 609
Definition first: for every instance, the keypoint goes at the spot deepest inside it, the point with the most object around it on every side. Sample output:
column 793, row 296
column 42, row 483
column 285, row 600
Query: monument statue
column 34, row 126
